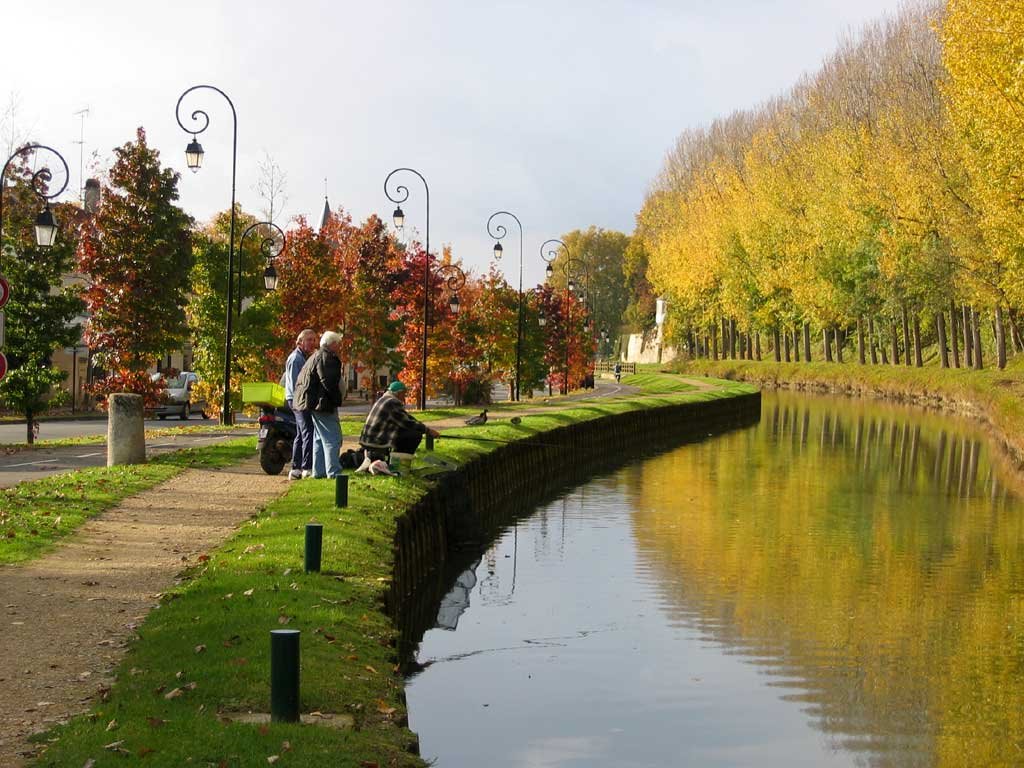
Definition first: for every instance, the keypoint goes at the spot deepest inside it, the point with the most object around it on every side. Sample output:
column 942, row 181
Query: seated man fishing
column 389, row 427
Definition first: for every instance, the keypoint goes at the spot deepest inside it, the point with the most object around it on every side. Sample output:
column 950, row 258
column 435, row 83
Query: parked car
column 179, row 401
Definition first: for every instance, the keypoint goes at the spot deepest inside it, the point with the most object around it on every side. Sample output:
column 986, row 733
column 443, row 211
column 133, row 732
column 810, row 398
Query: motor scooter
column 277, row 434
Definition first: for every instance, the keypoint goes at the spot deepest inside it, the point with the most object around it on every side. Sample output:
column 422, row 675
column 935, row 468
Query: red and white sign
column 3, row 365
column 5, row 291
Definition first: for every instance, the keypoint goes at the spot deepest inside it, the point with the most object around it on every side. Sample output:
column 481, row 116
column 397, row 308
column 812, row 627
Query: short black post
column 284, row 675
column 430, row 442
column 341, row 491
column 314, row 546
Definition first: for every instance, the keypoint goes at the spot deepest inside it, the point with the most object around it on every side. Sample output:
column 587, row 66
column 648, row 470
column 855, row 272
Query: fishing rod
column 527, row 440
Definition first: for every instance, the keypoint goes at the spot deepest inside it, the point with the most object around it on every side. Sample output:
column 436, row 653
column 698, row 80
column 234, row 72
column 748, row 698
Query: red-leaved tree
column 137, row 253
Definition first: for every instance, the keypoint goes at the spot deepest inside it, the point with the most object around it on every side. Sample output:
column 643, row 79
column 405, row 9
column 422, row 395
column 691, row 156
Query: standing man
column 389, row 426
column 302, row 448
column 320, row 389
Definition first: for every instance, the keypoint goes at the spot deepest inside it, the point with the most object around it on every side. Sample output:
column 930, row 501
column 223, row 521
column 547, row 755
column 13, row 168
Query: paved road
column 57, row 429
column 42, row 462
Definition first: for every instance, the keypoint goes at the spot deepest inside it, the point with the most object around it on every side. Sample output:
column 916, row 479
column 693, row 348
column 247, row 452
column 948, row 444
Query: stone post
column 126, row 434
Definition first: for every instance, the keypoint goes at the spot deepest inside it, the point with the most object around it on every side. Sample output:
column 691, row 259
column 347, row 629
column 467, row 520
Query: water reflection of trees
column 871, row 558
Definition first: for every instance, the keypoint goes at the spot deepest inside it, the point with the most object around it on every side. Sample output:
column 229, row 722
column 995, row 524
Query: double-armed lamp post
column 498, row 232
column 452, row 277
column 271, row 246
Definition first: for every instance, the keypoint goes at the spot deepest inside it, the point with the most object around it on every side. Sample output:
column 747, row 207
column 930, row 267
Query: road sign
column 3, row 365
column 5, row 292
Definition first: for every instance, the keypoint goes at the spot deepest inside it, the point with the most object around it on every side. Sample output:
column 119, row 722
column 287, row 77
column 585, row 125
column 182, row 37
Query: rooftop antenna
column 81, row 115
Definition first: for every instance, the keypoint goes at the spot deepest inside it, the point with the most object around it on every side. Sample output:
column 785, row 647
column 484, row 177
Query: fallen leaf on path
column 174, row 694
column 200, row 648
column 248, row 592
column 112, row 725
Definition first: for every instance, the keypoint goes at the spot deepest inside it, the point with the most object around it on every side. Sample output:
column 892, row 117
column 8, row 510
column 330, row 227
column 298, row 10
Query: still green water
column 842, row 584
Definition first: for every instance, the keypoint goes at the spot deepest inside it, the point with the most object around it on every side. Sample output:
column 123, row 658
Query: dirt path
column 69, row 615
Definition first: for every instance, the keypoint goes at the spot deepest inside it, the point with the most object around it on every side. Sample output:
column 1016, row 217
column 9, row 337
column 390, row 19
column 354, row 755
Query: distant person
column 390, row 427
column 302, row 447
column 618, row 371
column 320, row 389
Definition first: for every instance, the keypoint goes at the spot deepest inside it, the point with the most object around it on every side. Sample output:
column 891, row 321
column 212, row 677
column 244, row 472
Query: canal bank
column 201, row 660
column 993, row 397
column 839, row 585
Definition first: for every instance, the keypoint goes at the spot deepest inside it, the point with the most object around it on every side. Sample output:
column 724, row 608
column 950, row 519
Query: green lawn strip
column 213, row 630
column 999, row 394
column 61, row 442
column 657, row 383
column 37, row 513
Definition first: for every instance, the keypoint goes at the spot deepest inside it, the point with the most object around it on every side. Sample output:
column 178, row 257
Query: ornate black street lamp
column 45, row 224
column 570, row 287
column 271, row 246
column 498, row 233
column 400, row 196
column 454, row 280
column 194, row 159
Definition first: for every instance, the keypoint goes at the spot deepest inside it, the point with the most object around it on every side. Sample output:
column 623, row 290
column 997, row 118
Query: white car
column 179, row 400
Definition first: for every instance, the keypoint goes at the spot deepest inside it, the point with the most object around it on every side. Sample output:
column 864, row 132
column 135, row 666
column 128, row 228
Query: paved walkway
column 68, row 616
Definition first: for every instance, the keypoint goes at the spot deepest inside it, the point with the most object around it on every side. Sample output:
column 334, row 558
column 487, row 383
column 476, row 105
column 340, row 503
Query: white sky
column 560, row 112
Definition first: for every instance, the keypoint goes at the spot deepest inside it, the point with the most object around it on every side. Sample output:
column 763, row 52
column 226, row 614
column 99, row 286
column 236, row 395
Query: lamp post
column 567, row 270
column 401, row 195
column 454, row 279
column 498, row 233
column 45, row 223
column 271, row 247
column 194, row 159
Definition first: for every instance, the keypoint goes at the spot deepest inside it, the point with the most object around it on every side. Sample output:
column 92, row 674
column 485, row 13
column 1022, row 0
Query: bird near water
column 477, row 420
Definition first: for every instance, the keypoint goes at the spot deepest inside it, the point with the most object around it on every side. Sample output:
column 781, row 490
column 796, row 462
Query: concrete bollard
column 341, row 491
column 284, row 675
column 314, row 546
column 126, row 430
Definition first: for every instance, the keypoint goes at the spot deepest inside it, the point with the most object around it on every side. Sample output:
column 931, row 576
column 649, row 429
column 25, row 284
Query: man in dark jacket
column 389, row 426
column 320, row 389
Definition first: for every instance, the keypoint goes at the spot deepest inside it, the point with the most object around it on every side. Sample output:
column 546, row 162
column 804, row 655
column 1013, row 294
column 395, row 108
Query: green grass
column 35, row 514
column 657, row 383
column 254, row 583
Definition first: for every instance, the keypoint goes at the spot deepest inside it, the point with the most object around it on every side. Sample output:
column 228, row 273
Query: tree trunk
column 30, row 423
column 796, row 345
column 778, row 344
column 807, row 342
column 860, row 341
column 953, row 333
column 757, row 345
column 732, row 338
column 895, row 344
column 1018, row 343
column 1000, row 338
column 968, row 337
column 976, row 326
column 825, row 345
column 785, row 340
column 940, row 329
column 714, row 341
column 872, row 341
column 906, row 335
column 885, row 356
column 839, row 344
column 917, row 341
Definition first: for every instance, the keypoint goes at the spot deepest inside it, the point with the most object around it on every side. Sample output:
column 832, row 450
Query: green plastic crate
column 263, row 393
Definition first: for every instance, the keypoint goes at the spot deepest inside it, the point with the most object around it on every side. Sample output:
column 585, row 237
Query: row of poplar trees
column 876, row 207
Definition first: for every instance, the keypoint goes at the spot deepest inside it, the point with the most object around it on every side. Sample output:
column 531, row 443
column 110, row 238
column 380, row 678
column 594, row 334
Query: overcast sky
column 560, row 112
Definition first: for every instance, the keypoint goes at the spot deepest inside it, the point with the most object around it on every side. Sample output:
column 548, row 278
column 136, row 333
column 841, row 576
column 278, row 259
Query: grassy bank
column 36, row 514
column 204, row 654
column 995, row 397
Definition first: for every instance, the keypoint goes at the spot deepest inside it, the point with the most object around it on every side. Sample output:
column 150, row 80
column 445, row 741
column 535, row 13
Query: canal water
column 841, row 584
